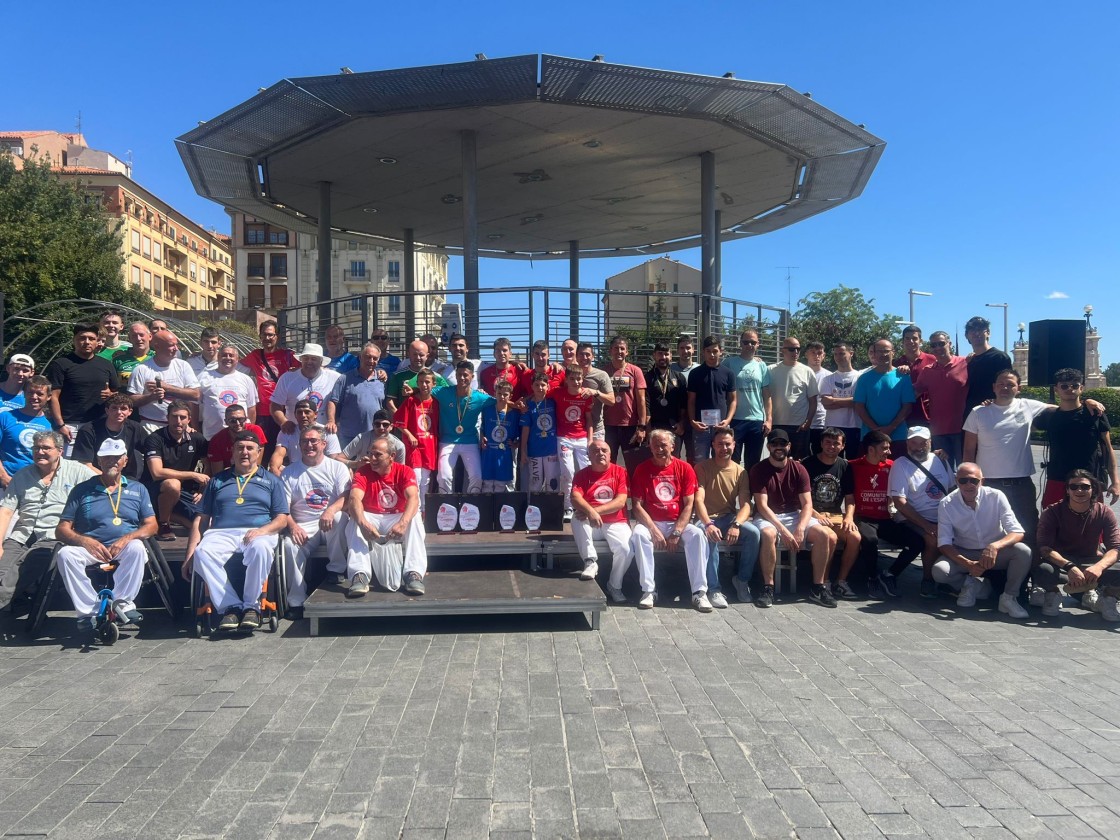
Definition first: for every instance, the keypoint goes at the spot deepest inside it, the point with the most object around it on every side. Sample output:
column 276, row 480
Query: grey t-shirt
column 600, row 380
column 359, row 446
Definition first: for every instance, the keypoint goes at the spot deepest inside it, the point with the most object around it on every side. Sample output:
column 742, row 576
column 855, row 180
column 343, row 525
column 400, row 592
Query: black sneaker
column 250, row 620
column 230, row 622
column 822, row 596
column 294, row 614
column 414, row 583
column 929, row 589
column 765, row 597
column 890, row 586
column 875, row 590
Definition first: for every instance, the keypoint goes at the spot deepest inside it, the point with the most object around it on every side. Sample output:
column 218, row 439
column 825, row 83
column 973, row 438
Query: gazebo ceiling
column 607, row 155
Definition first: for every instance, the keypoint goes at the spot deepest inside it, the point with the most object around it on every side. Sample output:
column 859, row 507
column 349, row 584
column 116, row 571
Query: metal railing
column 526, row 314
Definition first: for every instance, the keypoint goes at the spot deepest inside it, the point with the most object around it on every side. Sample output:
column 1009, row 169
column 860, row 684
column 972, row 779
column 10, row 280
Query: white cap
column 21, row 359
column 918, row 432
column 112, row 447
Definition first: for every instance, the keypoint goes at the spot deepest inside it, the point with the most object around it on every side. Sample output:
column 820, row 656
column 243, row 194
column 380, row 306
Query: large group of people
column 120, row 441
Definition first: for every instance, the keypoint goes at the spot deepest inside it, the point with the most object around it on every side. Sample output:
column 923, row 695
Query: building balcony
column 349, row 276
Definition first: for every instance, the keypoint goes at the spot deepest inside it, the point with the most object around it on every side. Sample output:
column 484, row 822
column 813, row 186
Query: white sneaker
column 568, row 515
column 969, row 590
column 646, row 601
column 1010, row 605
column 1108, row 609
column 985, row 590
column 701, row 602
column 1052, row 604
column 1091, row 601
column 590, row 570
column 717, row 600
column 1037, row 598
column 616, row 594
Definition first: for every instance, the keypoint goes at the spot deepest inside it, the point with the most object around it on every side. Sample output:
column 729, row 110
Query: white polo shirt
column 1003, row 447
column 975, row 528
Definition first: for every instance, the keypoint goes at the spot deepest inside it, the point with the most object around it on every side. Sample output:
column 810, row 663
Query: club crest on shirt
column 499, row 434
column 315, row 397
column 387, row 498
column 573, row 413
column 228, row 398
column 317, row 499
column 665, row 490
column 603, row 493
column 424, row 422
column 544, row 422
column 27, row 436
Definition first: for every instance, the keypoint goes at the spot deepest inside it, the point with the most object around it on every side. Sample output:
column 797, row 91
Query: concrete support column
column 708, row 240
column 409, row 267
column 470, row 238
column 325, row 291
column 573, row 284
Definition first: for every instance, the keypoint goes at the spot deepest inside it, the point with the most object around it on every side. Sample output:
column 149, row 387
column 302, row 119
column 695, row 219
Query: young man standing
column 753, row 406
column 814, row 358
column 502, row 368
column 110, row 325
column 711, row 398
column 984, row 365
column 837, row 392
column 80, row 382
column 795, row 392
column 625, row 421
column 459, row 410
column 266, row 365
column 206, row 358
column 883, row 397
column 915, row 360
column 944, row 385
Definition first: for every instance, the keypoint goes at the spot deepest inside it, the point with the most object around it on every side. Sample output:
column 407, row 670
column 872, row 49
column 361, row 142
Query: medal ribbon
column 241, row 485
column 117, row 505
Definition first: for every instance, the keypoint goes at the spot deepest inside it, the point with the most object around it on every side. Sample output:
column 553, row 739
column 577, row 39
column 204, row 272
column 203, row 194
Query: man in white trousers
column 599, row 495
column 663, row 492
column 105, row 521
column 316, row 487
column 382, row 506
column 244, row 509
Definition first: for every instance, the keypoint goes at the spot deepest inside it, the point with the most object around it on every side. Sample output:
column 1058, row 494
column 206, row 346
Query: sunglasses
column 383, row 424
column 751, row 343
column 379, row 338
column 938, row 343
column 779, row 444
column 792, row 349
column 1081, row 488
column 967, row 479
column 1069, row 386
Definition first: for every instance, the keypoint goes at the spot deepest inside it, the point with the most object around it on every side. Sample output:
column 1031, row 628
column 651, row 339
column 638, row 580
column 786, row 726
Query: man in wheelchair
column 105, row 522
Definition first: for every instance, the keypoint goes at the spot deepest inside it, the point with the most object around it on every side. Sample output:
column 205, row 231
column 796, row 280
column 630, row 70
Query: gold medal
column 544, row 434
column 116, row 520
column 117, row 505
column 458, row 430
column 239, row 501
column 501, row 446
column 241, row 485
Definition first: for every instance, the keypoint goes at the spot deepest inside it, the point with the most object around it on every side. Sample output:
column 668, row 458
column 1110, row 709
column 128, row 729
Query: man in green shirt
column 138, row 352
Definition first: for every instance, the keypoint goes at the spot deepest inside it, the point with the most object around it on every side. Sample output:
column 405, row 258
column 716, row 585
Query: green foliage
column 640, row 340
column 1109, row 398
column 1036, row 392
column 1112, row 374
column 56, row 241
column 842, row 314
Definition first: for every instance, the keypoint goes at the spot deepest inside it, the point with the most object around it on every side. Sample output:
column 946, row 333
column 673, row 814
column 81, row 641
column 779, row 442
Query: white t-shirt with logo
column 907, row 480
column 177, row 373
column 218, row 392
column 311, row 490
column 843, row 386
column 1003, row 448
column 293, row 386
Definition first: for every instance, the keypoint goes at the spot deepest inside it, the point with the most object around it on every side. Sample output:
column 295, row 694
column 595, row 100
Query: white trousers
column 573, row 458
column 72, row 561
column 541, row 475
column 423, row 481
column 695, row 554
column 617, row 535
column 296, row 557
column 388, row 573
column 215, row 549
column 489, row 485
column 449, row 454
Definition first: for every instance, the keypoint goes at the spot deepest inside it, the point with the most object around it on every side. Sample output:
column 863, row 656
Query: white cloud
column 1057, row 296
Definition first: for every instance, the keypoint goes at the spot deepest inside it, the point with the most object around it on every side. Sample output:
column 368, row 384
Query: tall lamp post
column 1022, row 329
column 1002, row 306
column 916, row 292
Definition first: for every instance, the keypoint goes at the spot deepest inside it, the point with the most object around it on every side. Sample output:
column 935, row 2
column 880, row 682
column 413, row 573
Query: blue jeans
column 749, row 539
column 748, row 437
column 953, row 445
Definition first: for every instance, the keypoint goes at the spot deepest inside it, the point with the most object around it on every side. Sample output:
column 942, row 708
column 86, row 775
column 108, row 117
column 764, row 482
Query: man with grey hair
column 357, row 396
column 31, row 507
column 222, row 387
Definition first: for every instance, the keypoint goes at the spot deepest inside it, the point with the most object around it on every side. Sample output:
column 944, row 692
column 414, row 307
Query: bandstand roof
column 601, row 153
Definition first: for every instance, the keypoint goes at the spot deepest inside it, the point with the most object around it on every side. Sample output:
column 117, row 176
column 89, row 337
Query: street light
column 1022, row 329
column 1088, row 317
column 916, row 292
column 1002, row 306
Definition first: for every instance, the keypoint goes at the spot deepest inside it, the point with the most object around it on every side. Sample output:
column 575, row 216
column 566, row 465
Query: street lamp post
column 916, row 292
column 1022, row 329
column 1002, row 306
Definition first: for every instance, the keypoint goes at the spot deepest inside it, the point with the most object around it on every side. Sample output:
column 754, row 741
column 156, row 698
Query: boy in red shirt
column 418, row 420
column 573, row 430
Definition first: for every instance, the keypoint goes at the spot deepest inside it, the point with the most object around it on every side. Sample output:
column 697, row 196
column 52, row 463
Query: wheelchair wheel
column 162, row 578
column 200, row 609
column 273, row 623
column 38, row 612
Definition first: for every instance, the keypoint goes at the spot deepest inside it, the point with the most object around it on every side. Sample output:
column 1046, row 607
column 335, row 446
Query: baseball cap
column 918, row 432
column 112, row 447
column 22, row 359
column 777, row 434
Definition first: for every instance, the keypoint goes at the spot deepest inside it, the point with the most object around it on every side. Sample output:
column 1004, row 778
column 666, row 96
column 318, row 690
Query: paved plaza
column 903, row 719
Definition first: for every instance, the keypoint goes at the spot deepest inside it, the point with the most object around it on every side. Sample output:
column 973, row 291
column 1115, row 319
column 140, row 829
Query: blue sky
column 999, row 180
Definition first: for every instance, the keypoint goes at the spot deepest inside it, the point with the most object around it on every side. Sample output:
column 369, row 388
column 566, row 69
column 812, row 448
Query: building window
column 157, row 252
column 355, row 304
column 395, row 303
column 135, row 241
column 256, row 265
column 147, row 247
column 277, row 265
column 256, row 296
column 147, row 281
column 194, row 301
column 136, row 276
column 255, row 235
column 357, row 269
column 394, row 271
column 278, row 295
column 277, row 237
column 193, row 270
column 171, row 231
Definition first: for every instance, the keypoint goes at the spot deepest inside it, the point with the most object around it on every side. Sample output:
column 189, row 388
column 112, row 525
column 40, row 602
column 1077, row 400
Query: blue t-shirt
column 90, row 508
column 389, row 363
column 357, row 400
column 456, row 411
column 7, row 403
column 884, row 394
column 344, row 363
column 540, row 419
column 750, row 378
column 16, row 431
column 502, row 434
column 263, row 495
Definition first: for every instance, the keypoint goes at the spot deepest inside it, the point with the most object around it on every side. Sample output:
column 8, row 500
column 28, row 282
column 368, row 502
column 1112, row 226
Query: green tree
column 842, row 314
column 56, row 241
column 1112, row 374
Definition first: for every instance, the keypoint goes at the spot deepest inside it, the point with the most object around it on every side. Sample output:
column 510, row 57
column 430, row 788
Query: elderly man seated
column 383, row 505
column 31, row 507
column 104, row 522
column 1078, row 545
column 599, row 493
column 316, row 487
column 663, row 492
column 244, row 509
column 978, row 532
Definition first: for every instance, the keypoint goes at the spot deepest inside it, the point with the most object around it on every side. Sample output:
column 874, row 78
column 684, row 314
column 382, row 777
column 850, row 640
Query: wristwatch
column 675, row 532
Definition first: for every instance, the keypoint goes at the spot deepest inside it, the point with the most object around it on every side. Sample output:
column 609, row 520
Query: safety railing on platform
column 525, row 314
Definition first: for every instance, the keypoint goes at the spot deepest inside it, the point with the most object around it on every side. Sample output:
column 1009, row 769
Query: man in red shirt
column 599, row 498
column 915, row 360
column 266, row 365
column 418, row 420
column 219, row 451
column 783, row 504
column 501, row 369
column 541, row 364
column 871, row 474
column 664, row 490
column 382, row 507
column 573, row 430
column 944, row 385
column 625, row 421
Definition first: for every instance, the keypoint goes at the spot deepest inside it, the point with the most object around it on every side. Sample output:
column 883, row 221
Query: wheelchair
column 273, row 603
column 156, row 572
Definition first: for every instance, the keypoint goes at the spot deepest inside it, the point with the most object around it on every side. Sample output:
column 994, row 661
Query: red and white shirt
column 422, row 419
column 601, row 488
column 871, row 488
column 661, row 489
column 572, row 412
column 384, row 493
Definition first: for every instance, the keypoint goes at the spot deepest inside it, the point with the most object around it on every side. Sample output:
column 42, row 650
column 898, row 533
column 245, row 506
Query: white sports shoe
column 969, row 590
column 646, row 601
column 701, row 602
column 1108, row 609
column 1091, row 601
column 1037, row 598
column 717, row 600
column 1052, row 604
column 590, row 570
column 1010, row 605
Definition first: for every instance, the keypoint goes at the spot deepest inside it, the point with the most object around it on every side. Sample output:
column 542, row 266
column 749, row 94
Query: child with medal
column 540, row 466
column 500, row 423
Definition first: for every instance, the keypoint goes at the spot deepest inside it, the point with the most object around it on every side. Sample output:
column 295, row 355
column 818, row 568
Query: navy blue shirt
column 263, row 495
column 711, row 386
column 90, row 508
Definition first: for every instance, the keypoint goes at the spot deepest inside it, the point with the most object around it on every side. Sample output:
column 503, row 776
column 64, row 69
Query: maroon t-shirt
column 783, row 487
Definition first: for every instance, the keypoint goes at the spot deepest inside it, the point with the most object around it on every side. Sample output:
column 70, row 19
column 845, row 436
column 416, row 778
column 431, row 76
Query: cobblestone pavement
column 905, row 719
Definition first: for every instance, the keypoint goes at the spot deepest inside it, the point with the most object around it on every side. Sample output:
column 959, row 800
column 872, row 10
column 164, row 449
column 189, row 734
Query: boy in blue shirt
column 500, row 425
column 18, row 427
column 540, row 466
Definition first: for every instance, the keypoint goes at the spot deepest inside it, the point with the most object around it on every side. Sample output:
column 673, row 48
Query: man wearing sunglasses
column 977, row 532
column 356, row 453
column 1078, row 545
column 753, row 406
column 388, row 362
column 945, row 385
column 1079, row 440
column 794, row 389
column 219, row 451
